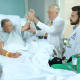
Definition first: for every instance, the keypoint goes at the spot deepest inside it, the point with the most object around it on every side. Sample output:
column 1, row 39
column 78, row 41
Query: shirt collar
column 55, row 19
column 77, row 28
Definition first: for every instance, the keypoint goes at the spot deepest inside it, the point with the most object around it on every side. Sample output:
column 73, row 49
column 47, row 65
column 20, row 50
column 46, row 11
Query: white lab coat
column 55, row 33
column 74, row 41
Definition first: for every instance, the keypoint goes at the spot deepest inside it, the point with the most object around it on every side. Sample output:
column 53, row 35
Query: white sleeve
column 56, row 28
column 40, row 32
column 77, row 42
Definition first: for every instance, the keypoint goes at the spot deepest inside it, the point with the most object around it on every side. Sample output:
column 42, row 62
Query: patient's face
column 74, row 19
column 8, row 27
column 51, row 13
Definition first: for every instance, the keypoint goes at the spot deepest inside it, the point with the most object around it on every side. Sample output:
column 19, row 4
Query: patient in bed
column 10, row 31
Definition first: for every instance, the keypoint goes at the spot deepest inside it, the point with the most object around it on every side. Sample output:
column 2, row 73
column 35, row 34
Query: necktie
column 50, row 25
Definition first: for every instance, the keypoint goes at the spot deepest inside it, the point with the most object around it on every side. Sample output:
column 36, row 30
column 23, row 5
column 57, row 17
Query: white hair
column 56, row 7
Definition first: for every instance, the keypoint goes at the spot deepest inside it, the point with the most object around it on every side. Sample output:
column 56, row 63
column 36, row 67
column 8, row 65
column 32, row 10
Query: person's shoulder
column 59, row 19
column 2, row 32
column 78, row 29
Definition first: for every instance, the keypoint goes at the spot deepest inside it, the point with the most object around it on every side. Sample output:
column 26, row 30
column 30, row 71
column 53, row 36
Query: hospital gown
column 13, row 37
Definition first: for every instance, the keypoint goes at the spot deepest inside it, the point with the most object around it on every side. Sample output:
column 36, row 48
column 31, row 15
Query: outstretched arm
column 6, row 53
column 26, row 26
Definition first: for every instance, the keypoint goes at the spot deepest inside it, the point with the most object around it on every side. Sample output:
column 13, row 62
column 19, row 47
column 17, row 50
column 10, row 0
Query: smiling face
column 52, row 13
column 7, row 25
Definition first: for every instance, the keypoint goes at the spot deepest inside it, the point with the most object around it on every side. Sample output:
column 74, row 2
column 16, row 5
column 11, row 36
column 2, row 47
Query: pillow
column 14, row 19
column 23, row 21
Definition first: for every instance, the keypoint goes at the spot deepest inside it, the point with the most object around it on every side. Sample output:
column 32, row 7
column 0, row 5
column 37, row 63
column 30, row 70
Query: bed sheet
column 33, row 64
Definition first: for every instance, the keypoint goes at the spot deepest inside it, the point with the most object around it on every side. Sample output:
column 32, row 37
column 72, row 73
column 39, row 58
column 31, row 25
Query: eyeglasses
column 73, row 16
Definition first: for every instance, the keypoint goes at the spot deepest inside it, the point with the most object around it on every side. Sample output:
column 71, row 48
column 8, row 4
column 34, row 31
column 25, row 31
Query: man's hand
column 16, row 55
column 30, row 18
column 31, row 15
column 32, row 30
column 25, row 27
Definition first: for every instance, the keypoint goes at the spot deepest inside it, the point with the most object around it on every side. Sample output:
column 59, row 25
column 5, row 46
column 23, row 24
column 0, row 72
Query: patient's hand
column 16, row 55
column 32, row 30
column 31, row 14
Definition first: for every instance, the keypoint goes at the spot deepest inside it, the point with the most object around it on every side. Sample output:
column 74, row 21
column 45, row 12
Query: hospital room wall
column 12, row 7
column 26, row 8
column 41, row 8
column 65, row 12
column 38, row 6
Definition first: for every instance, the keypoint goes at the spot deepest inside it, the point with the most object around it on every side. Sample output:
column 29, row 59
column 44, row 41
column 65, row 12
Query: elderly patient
column 8, row 28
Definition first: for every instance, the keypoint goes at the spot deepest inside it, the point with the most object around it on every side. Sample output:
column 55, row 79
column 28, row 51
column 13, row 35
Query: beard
column 74, row 23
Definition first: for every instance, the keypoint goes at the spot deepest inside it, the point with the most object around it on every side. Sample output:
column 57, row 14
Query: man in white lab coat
column 74, row 39
column 54, row 30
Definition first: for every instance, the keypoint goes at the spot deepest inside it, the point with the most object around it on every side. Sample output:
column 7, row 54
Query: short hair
column 76, row 8
column 56, row 7
column 3, row 21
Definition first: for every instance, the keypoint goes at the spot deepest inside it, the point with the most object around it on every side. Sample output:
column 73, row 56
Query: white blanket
column 33, row 64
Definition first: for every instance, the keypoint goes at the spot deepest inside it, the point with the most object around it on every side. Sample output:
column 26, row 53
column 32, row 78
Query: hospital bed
column 1, row 71
column 33, row 64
